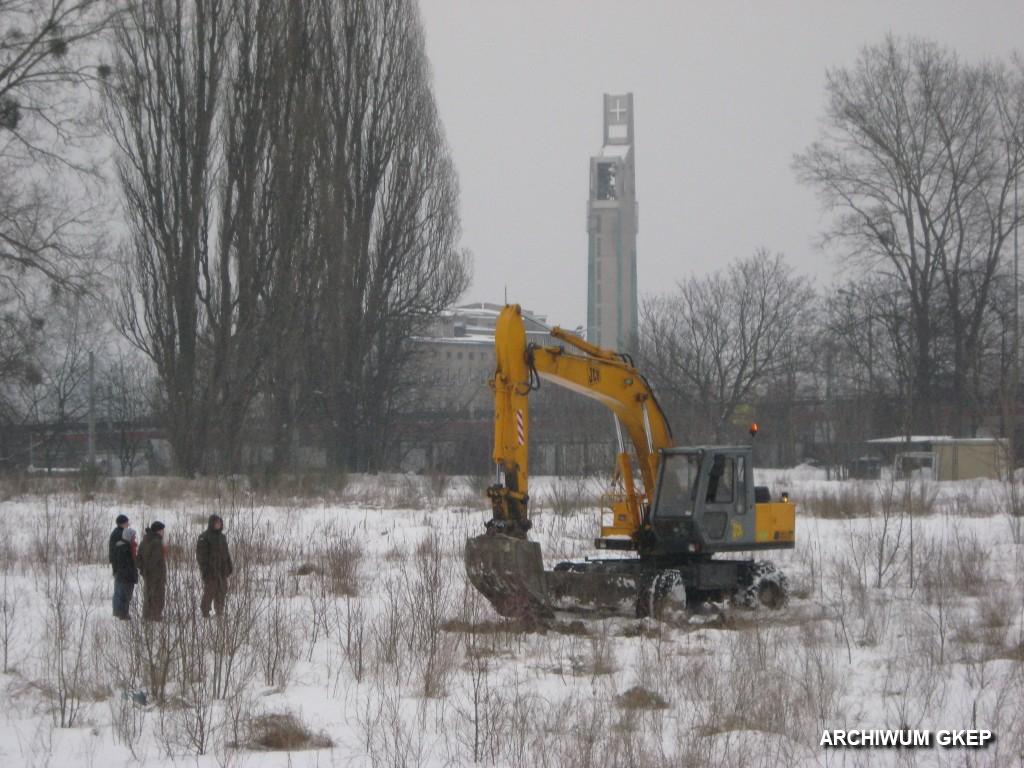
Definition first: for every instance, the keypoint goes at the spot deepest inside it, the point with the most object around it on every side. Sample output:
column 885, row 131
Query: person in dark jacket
column 214, row 565
column 152, row 562
column 121, row 552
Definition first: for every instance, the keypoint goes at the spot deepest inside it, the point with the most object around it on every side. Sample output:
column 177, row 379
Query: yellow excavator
column 694, row 502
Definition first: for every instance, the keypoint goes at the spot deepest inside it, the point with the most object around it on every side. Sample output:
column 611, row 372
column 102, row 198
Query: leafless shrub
column 48, row 531
column 278, row 642
column 984, row 633
column 875, row 552
column 481, row 704
column 920, row 498
column 229, row 637
column 118, row 662
column 341, row 559
column 745, row 686
column 67, row 644
column 156, row 644
column 128, row 719
column 955, row 563
column 8, row 549
column 10, row 617
column 85, row 519
column 188, row 724
column 389, row 739
column 388, row 627
column 587, row 733
column 1013, row 508
column 568, row 495
column 914, row 686
column 284, row 732
column 320, row 601
column 477, row 485
column 395, row 492
column 601, row 660
column 429, row 598
column 438, row 485
column 233, row 727
column 819, row 680
column 973, row 502
column 254, row 540
column 351, row 620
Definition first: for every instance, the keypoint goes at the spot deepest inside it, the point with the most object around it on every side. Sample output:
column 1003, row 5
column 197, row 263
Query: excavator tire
column 768, row 587
column 662, row 597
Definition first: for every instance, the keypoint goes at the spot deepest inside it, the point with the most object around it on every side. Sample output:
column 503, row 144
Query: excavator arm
column 600, row 374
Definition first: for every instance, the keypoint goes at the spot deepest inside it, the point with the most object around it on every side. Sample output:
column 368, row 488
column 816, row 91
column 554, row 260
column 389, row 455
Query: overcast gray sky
column 725, row 94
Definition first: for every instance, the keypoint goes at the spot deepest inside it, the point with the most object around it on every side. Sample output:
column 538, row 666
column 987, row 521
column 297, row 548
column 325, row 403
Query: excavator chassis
column 509, row 572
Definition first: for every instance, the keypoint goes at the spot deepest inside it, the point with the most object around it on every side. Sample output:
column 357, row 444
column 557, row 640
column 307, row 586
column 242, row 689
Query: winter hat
column 156, row 526
column 215, row 519
column 121, row 519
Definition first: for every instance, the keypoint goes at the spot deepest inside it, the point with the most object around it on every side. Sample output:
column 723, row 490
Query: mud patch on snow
column 639, row 697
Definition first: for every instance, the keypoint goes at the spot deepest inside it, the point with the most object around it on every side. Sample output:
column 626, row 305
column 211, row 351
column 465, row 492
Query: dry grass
column 846, row 502
column 284, row 733
column 341, row 561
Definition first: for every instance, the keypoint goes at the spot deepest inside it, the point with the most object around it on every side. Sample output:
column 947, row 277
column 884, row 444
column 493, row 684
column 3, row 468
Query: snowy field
column 353, row 638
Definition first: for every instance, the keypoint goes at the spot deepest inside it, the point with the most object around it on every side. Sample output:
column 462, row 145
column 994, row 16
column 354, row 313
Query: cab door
column 726, row 498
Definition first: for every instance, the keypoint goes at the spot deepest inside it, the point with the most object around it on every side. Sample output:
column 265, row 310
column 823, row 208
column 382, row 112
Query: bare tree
column 126, row 384
column 49, row 60
column 918, row 160
column 388, row 223
column 55, row 397
column 294, row 216
column 713, row 342
column 164, row 100
column 46, row 49
column 273, row 119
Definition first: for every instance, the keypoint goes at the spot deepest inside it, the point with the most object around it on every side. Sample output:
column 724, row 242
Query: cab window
column 722, row 480
column 678, row 485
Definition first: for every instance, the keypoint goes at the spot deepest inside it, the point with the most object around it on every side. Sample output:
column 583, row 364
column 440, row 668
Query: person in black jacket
column 152, row 563
column 121, row 553
column 214, row 565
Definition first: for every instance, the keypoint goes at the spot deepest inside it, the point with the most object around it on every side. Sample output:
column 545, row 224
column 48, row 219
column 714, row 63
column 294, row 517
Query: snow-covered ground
column 355, row 618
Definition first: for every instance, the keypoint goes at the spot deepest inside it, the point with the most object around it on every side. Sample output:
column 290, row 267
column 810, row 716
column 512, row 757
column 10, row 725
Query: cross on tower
column 618, row 110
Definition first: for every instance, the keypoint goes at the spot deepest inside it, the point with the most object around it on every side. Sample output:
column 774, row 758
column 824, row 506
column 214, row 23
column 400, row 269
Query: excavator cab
column 706, row 501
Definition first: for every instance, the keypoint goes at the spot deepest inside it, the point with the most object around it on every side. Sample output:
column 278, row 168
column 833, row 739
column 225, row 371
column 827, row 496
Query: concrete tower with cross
column 612, row 217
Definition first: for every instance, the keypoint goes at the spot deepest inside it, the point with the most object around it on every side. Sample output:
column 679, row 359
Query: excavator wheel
column 662, row 597
column 768, row 587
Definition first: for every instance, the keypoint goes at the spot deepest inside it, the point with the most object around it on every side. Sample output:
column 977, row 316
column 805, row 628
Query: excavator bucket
column 509, row 572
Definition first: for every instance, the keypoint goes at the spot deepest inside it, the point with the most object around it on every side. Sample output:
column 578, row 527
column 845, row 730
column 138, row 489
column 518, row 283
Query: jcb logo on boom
column 593, row 375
